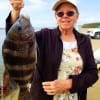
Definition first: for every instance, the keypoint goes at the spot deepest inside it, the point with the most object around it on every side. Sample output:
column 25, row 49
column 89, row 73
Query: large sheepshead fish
column 20, row 52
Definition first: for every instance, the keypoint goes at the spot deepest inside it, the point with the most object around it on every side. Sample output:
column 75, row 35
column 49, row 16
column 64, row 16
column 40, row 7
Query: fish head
column 21, row 30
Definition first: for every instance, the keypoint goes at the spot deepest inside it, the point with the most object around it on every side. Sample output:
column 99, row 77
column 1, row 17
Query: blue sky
column 41, row 14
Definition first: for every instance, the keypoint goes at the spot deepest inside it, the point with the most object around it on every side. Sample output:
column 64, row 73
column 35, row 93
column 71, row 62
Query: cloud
column 42, row 23
column 4, row 10
column 74, row 1
column 37, row 4
column 89, row 19
column 4, row 5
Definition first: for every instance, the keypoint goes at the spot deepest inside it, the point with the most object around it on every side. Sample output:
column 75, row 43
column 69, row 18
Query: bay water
column 2, row 67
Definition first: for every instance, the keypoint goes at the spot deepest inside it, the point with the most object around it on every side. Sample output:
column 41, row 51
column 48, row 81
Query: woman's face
column 66, row 16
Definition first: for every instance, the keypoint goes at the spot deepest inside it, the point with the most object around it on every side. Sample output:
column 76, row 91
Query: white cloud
column 4, row 10
column 34, row 6
column 42, row 23
column 4, row 5
column 38, row 4
column 74, row 1
column 89, row 19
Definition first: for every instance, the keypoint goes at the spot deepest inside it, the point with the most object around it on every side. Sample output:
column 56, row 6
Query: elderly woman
column 66, row 66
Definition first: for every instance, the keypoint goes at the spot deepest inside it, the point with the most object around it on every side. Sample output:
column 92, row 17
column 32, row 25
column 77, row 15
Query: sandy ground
column 94, row 91
column 95, row 43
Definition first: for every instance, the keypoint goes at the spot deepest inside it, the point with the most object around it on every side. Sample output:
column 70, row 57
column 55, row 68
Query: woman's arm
column 89, row 74
column 17, row 5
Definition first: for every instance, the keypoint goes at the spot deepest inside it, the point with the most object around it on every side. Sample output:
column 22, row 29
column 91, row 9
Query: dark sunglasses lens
column 70, row 13
column 60, row 14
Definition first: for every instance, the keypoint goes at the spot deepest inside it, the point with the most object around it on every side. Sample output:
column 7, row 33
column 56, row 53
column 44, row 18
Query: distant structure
column 85, row 27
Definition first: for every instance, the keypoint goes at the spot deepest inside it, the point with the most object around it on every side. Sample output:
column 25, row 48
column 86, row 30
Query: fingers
column 49, row 88
column 50, row 93
column 56, row 86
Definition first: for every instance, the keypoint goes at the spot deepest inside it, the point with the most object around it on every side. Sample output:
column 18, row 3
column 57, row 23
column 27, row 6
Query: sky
column 41, row 14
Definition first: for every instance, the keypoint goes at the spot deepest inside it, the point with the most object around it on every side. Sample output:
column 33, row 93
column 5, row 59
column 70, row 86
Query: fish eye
column 19, row 28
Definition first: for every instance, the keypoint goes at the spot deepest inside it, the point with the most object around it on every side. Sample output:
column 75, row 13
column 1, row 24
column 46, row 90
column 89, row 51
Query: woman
column 66, row 66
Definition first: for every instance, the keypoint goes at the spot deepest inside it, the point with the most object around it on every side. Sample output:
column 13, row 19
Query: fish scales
column 20, row 52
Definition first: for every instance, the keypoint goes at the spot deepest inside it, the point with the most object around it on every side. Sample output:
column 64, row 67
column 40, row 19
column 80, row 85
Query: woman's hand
column 17, row 5
column 57, row 86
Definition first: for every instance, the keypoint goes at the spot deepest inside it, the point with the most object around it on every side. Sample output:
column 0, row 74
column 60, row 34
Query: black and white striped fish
column 19, row 52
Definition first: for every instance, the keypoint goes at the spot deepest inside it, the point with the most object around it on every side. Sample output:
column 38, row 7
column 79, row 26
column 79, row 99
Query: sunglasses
column 68, row 13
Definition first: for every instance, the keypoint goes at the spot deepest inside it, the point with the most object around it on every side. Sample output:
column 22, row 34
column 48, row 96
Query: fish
column 19, row 52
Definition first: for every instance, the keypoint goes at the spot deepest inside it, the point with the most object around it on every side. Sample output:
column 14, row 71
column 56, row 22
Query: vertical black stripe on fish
column 22, row 51
column 21, row 82
column 13, row 45
column 12, row 60
column 21, row 67
column 20, row 73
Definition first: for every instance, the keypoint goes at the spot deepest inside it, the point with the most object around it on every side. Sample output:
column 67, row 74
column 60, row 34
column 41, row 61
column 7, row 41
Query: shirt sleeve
column 8, row 22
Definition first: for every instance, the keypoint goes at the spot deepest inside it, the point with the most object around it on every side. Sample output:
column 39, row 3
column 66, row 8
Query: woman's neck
column 67, row 35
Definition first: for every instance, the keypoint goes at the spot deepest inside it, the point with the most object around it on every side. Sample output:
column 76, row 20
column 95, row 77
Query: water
column 2, row 37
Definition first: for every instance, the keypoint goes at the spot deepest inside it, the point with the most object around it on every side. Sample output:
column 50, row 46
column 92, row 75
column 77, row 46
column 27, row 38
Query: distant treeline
column 91, row 25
